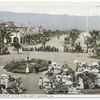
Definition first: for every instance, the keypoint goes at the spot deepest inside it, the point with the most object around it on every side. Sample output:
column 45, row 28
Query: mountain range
column 62, row 22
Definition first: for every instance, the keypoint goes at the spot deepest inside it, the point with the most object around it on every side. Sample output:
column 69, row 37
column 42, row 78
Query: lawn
column 95, row 57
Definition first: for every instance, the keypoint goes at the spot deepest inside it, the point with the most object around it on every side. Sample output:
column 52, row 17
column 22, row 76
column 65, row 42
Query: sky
column 56, row 7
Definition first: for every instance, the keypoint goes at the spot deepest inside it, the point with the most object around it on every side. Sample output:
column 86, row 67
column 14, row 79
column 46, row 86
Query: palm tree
column 17, row 46
column 4, row 34
column 88, row 41
column 74, row 35
column 44, row 42
column 94, row 34
column 92, row 40
column 46, row 33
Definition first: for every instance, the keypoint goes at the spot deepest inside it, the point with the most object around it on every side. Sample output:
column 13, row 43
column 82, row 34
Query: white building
column 24, row 35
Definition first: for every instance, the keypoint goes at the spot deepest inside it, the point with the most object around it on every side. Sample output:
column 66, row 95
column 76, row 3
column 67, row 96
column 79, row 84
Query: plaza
column 30, row 81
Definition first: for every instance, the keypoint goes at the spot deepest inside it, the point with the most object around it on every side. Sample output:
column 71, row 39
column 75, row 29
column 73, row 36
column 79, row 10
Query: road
column 58, row 43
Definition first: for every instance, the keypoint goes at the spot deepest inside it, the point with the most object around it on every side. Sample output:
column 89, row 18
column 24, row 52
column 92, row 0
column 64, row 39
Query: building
column 24, row 35
column 21, row 34
column 9, row 24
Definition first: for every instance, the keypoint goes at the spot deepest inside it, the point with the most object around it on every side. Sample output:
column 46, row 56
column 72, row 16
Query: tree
column 66, row 40
column 94, row 34
column 74, row 35
column 44, row 42
column 88, row 41
column 46, row 33
column 92, row 39
column 4, row 34
column 17, row 46
column 78, row 48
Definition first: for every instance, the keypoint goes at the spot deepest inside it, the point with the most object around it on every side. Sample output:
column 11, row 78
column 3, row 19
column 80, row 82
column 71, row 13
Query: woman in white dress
column 81, row 83
column 40, row 82
column 98, row 80
column 27, row 69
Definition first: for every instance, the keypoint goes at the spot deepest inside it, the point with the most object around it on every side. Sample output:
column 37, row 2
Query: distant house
column 9, row 24
column 27, row 33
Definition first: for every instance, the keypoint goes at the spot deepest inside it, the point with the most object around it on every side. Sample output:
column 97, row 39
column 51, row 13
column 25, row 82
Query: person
column 3, row 89
column 99, row 63
column 74, row 89
column 27, row 69
column 86, row 85
column 40, row 82
column 65, row 64
column 91, row 85
column 10, row 78
column 28, row 57
column 79, row 88
column 78, row 67
column 81, row 83
column 96, row 82
column 49, row 62
column 37, row 68
column 4, row 80
column 50, row 67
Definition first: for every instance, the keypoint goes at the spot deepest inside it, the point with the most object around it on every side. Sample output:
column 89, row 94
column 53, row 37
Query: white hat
column 98, row 75
column 69, row 76
column 94, row 63
column 82, row 63
column 95, row 70
column 75, row 61
column 65, row 70
column 86, row 70
column 68, row 83
column 4, row 75
column 53, row 63
column 79, row 72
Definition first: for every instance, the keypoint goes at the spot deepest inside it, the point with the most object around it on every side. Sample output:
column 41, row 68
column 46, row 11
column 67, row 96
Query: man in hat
column 77, row 66
column 37, row 68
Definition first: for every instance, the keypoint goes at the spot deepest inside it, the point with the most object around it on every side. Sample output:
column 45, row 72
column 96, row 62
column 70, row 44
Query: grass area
column 20, row 66
column 95, row 57
column 91, row 91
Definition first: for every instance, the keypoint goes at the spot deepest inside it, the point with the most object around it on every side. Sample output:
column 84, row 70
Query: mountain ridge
column 49, row 21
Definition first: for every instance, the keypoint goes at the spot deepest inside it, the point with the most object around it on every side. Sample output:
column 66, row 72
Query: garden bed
column 20, row 66
column 95, row 57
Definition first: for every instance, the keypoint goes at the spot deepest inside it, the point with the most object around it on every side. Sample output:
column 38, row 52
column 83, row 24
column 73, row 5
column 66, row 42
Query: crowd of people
column 42, row 48
column 47, row 48
column 10, row 85
column 64, row 80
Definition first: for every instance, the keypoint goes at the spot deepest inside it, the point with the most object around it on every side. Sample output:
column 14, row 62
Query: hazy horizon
column 46, row 13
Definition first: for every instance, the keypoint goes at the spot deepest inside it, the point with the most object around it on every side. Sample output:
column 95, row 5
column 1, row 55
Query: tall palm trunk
column 2, row 42
column 87, row 47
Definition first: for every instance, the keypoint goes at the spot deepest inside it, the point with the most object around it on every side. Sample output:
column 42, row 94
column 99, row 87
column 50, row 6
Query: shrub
column 28, row 49
column 47, row 48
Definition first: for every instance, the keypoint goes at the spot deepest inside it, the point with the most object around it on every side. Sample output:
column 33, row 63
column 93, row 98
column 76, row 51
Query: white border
column 72, row 1
column 45, row 95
